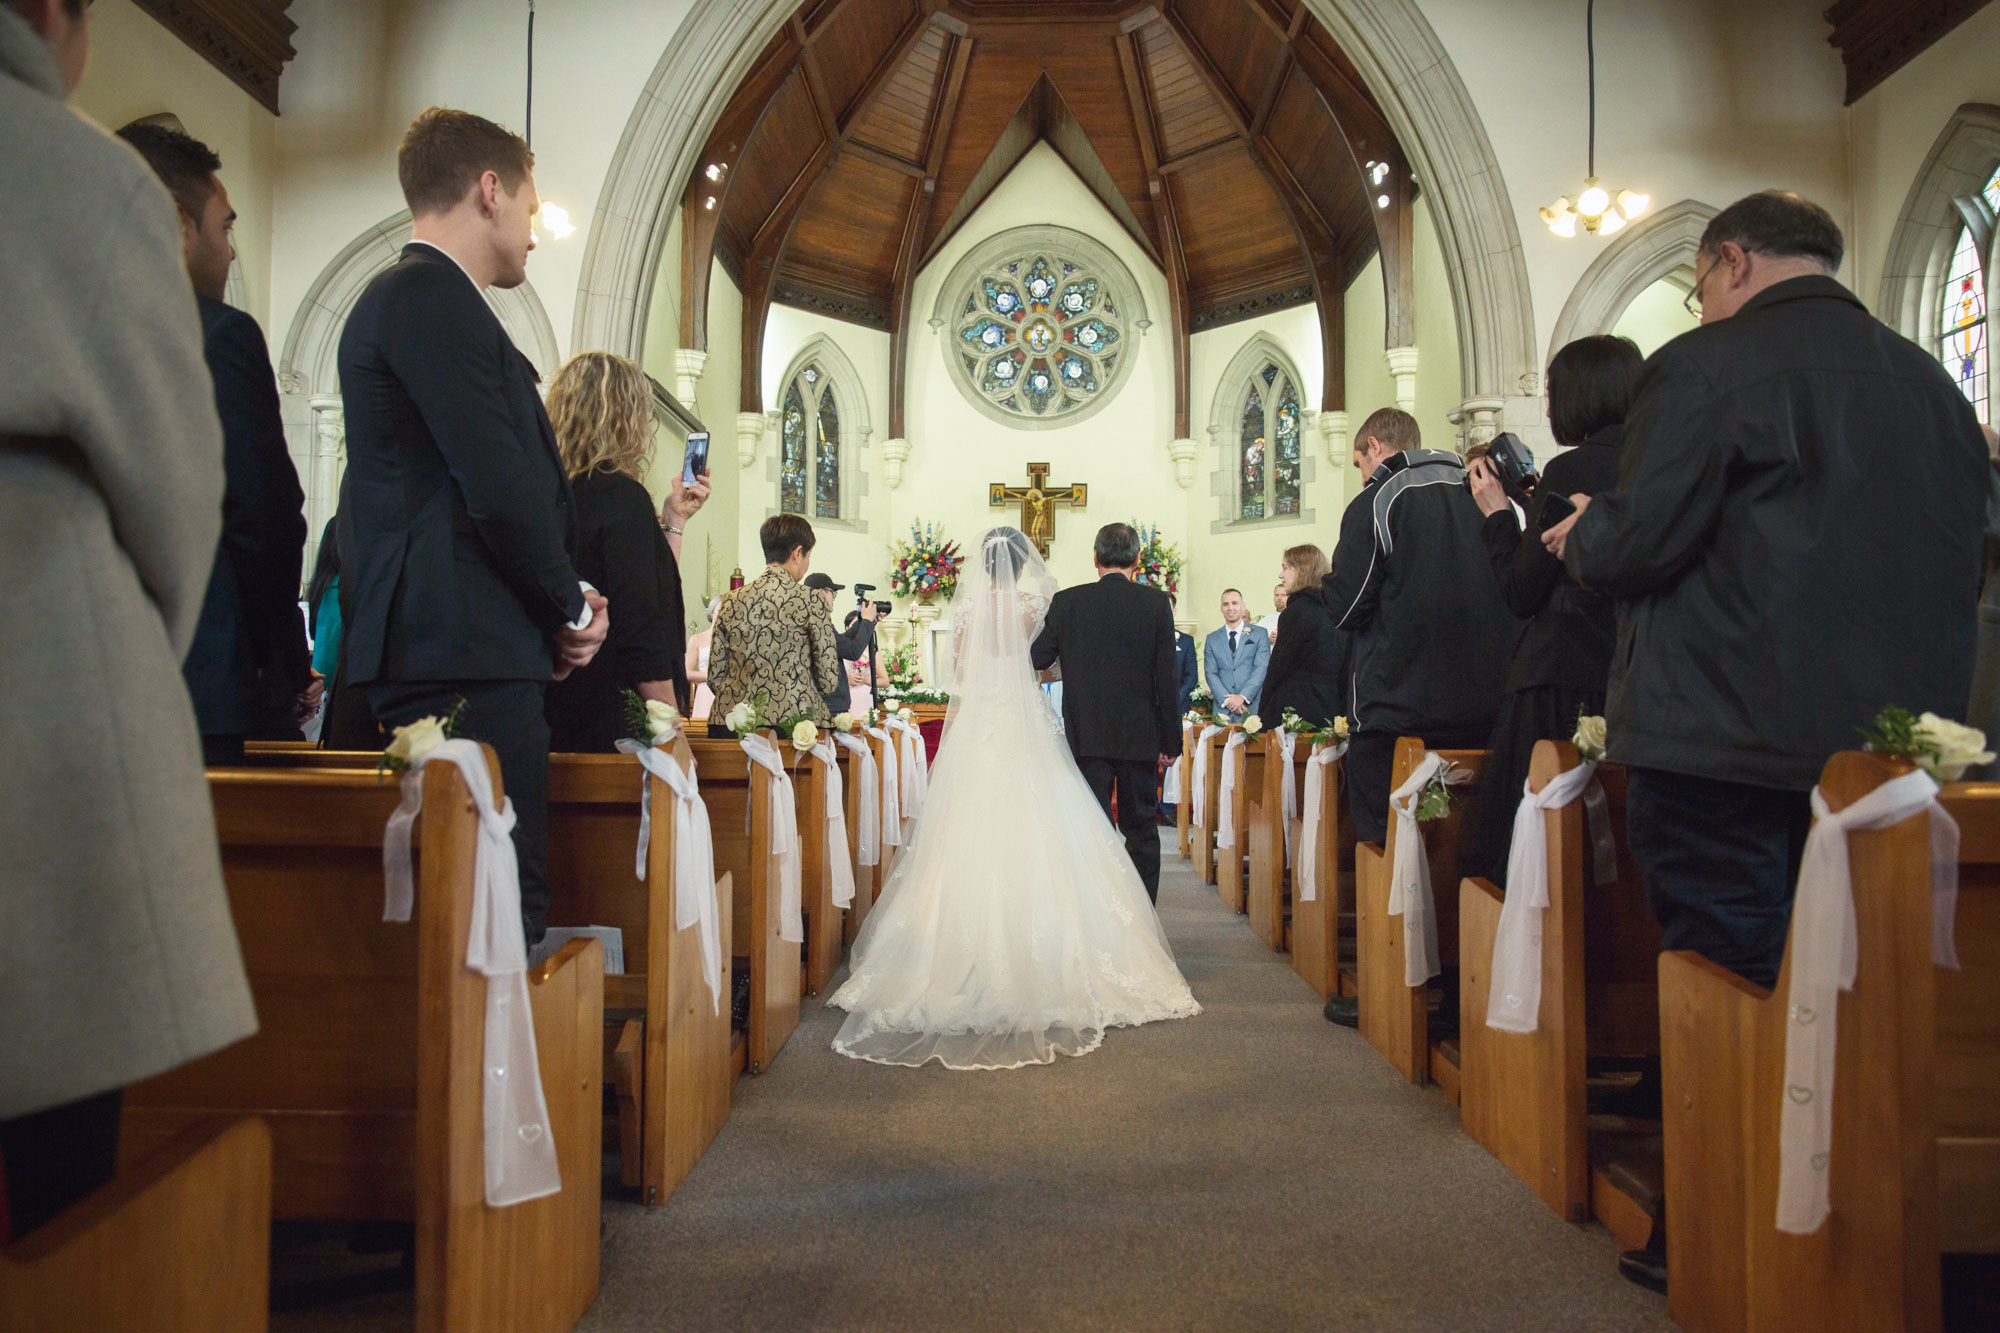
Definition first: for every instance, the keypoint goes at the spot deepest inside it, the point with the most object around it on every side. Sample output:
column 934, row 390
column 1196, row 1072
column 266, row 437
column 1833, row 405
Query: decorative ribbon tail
column 626, row 745
column 1514, row 997
column 836, row 826
column 399, row 891
column 784, row 837
column 1410, row 878
column 1944, row 887
column 1603, row 847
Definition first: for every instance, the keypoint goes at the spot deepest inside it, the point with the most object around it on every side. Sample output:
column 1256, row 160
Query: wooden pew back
column 1264, row 887
column 1314, row 938
column 1185, row 809
column 1202, row 835
column 1245, row 767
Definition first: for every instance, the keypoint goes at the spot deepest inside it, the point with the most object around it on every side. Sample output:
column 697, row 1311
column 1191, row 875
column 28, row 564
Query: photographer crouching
column 853, row 644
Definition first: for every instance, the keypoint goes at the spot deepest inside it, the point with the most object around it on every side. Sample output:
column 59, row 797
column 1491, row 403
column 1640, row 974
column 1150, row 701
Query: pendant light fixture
column 551, row 218
column 1599, row 212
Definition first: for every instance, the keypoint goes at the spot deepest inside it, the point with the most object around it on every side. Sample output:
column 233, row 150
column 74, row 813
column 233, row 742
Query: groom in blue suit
column 1236, row 656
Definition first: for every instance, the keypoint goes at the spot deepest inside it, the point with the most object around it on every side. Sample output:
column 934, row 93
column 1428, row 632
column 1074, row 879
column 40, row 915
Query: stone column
column 322, row 483
column 922, row 616
column 1482, row 419
column 1333, row 430
column 688, row 365
column 895, row 453
column 1403, row 365
column 1184, row 451
column 749, row 433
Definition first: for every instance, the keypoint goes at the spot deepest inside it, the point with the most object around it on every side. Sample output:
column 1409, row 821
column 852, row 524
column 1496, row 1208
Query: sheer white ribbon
column 1170, row 785
column 1200, row 794
column 1288, row 787
column 916, row 767
column 1514, row 1003
column 784, row 836
column 892, row 805
column 520, row 1149
column 1410, row 877
column 694, row 853
column 836, row 824
column 869, row 835
column 1225, row 816
column 1823, row 959
column 1310, row 831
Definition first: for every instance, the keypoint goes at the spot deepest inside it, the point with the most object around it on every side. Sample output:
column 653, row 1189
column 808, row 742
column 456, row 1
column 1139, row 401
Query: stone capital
column 688, row 365
column 749, row 434
column 1403, row 366
column 895, row 453
column 1183, row 451
column 1333, row 430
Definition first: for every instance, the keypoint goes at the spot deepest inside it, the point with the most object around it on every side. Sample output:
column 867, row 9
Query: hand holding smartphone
column 695, row 464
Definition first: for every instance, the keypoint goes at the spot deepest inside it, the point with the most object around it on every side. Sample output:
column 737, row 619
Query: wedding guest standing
column 1269, row 624
column 1563, row 658
column 249, row 671
column 1235, row 659
column 1187, row 660
column 462, row 523
column 773, row 639
column 1308, row 672
column 601, row 406
column 119, row 957
column 697, row 663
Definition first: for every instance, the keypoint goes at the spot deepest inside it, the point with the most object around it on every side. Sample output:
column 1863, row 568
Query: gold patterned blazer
column 773, row 637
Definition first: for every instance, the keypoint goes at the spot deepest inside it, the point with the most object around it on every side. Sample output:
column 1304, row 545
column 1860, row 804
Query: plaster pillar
column 688, row 365
column 322, row 481
column 1183, row 452
column 895, row 453
column 749, row 433
column 1333, row 430
column 1403, row 366
column 922, row 616
column 1482, row 418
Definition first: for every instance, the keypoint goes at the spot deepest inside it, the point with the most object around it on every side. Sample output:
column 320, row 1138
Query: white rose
column 661, row 719
column 844, row 723
column 805, row 735
column 411, row 743
column 1252, row 725
column 1590, row 737
column 905, row 716
column 1959, row 746
column 889, row 702
column 1340, row 728
column 738, row 718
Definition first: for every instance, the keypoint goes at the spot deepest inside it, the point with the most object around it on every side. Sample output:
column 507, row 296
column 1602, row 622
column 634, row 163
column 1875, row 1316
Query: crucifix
column 1038, row 501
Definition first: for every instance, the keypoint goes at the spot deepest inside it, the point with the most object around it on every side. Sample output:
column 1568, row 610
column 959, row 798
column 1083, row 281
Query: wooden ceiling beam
column 1166, row 224
column 829, row 124
column 868, row 152
column 902, row 283
column 250, row 41
column 885, row 68
column 760, row 272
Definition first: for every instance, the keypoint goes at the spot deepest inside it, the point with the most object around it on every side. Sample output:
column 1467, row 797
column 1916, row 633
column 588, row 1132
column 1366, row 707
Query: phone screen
column 697, row 458
column 1555, row 508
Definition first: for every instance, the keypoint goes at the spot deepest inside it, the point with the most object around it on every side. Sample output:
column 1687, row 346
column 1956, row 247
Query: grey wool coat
column 118, row 958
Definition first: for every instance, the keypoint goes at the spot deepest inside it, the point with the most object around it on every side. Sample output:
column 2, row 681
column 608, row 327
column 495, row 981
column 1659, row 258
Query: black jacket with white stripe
column 1411, row 583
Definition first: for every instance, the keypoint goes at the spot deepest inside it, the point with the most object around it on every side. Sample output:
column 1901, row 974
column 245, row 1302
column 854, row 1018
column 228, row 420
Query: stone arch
column 1647, row 251
column 1920, row 246
column 1399, row 57
column 857, row 428
column 1224, row 405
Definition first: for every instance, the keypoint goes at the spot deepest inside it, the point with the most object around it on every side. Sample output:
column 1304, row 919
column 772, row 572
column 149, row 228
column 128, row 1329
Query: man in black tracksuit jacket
column 1412, row 584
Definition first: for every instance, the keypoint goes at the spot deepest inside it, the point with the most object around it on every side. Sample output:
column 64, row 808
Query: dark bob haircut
column 1591, row 383
column 782, row 534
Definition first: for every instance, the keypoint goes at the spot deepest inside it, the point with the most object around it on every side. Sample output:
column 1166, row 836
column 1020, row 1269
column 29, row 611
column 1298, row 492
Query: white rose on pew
column 1252, row 725
column 1340, row 728
column 890, row 703
column 738, row 718
column 805, row 735
column 844, row 723
column 1959, row 746
column 1590, row 738
column 905, row 715
column 411, row 743
column 661, row 719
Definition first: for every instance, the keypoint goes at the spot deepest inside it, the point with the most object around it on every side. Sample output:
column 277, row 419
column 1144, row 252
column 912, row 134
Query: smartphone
column 696, row 462
column 1555, row 508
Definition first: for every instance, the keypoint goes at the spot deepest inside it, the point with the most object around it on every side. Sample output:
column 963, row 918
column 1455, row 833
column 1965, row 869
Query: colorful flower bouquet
column 1160, row 562
column 904, row 667
column 926, row 565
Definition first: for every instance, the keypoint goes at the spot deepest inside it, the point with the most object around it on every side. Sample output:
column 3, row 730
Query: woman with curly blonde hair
column 601, row 406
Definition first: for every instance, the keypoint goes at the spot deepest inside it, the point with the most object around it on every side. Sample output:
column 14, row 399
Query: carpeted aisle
column 1254, row 1167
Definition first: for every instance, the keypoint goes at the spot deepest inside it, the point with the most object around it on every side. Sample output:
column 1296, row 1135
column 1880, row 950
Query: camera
column 861, row 591
column 1513, row 463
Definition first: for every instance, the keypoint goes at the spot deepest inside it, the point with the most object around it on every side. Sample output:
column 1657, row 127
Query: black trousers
column 55, row 1157
column 1721, row 862
column 1371, row 760
column 1138, row 809
column 507, row 715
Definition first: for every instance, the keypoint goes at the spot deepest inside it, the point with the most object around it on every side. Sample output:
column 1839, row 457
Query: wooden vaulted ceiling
column 1230, row 138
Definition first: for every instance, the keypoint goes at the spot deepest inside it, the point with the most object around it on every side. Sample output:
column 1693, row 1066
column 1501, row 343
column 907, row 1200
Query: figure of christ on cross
column 1038, row 500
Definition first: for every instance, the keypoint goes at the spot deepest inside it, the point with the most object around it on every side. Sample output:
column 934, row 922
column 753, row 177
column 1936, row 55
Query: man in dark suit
column 1115, row 640
column 462, row 520
column 1187, row 661
column 249, row 671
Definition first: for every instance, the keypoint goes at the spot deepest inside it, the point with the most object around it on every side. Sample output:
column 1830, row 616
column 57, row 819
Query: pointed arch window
column 1962, row 323
column 1269, row 453
column 809, row 445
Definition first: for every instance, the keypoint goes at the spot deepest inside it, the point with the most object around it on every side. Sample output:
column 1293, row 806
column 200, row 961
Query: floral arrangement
column 752, row 715
column 1334, row 731
column 903, row 665
column 1590, row 739
column 1942, row 748
column 648, row 721
column 1160, row 561
column 926, row 565
column 1434, row 802
column 846, row 723
column 1252, row 725
column 410, row 743
column 925, row 697
column 1200, row 704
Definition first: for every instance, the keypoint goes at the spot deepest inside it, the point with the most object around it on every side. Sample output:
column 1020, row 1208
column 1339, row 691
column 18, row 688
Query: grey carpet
column 1254, row 1167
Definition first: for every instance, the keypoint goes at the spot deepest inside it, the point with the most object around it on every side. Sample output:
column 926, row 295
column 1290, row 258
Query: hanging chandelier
column 552, row 219
column 1596, row 209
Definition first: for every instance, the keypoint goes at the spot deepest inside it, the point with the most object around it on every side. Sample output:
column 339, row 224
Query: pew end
column 179, row 1242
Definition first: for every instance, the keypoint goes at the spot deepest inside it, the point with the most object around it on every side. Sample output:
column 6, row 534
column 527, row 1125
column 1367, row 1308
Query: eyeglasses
column 1692, row 301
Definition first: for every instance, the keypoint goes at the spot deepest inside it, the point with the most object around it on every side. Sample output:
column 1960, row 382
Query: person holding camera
column 1563, row 659
column 850, row 644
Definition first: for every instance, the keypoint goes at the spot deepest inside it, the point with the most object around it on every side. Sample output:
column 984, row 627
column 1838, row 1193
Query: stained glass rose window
column 1040, row 333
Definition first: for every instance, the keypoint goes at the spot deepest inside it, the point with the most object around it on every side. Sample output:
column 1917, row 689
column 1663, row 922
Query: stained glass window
column 1038, row 334
column 1271, row 458
column 1962, row 317
column 809, row 458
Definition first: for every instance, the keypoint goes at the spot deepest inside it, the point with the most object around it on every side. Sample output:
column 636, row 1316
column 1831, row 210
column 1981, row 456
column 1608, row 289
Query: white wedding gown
column 1013, row 927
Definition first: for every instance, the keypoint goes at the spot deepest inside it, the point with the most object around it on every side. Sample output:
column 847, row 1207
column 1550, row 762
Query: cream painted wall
column 1656, row 317
column 138, row 68
column 1438, row 386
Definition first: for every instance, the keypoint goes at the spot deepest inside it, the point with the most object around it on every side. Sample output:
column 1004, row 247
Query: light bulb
column 1632, row 204
column 1381, row 201
column 710, row 203
column 1611, row 222
column 1593, row 201
column 714, row 172
column 555, row 221
column 1562, row 224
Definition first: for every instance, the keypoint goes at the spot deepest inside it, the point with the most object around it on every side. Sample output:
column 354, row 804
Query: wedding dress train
column 1013, row 927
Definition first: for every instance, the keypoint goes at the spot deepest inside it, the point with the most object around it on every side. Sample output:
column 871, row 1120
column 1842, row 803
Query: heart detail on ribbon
column 1799, row 1093
column 1801, row 1014
column 1820, row 1159
column 499, row 1071
column 530, row 1133
column 1513, row 1002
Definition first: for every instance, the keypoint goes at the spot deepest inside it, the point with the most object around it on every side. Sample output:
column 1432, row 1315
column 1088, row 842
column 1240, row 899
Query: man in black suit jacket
column 462, row 521
column 1187, row 662
column 1115, row 640
column 248, row 672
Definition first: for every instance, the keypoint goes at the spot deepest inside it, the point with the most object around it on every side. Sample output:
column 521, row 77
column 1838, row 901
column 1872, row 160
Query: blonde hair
column 1308, row 563
column 601, row 406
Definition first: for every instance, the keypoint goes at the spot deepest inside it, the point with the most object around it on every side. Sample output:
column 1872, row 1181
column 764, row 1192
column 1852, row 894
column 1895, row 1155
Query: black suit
column 1121, row 700
column 249, row 657
column 463, row 529
column 1187, row 668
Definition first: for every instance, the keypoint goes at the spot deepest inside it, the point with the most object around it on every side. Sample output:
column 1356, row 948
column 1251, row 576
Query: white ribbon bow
column 869, row 835
column 892, row 806
column 784, row 836
column 836, row 824
column 916, row 768
column 1200, row 796
column 1514, row 1003
column 1225, row 816
column 1823, row 959
column 694, row 853
column 520, row 1147
column 1307, row 871
column 1410, row 877
column 1288, row 787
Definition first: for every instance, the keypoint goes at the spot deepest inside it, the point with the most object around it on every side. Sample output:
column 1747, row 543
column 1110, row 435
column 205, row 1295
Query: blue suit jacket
column 1240, row 672
column 1187, row 667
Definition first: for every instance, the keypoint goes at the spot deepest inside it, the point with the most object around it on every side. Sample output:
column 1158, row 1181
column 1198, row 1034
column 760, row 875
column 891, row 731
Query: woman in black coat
column 1308, row 670
column 601, row 406
column 1563, row 658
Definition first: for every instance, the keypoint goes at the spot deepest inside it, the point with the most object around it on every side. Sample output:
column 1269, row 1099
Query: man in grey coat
column 119, row 957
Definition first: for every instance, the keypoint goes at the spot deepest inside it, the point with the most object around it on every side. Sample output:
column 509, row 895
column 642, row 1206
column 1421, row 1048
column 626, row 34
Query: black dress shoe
column 1344, row 1010
column 1645, row 1268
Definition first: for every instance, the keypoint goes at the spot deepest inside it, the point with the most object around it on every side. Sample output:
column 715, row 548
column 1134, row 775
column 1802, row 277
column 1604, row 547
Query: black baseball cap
column 821, row 581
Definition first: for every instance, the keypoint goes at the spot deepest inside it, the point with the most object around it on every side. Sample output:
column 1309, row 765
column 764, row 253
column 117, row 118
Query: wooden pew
column 369, row 1060
column 825, row 932
column 1266, row 882
column 1202, row 835
column 864, row 876
column 1246, row 767
column 885, row 755
column 1395, row 1017
column 1522, row 1096
column 1915, row 1167
column 1184, row 811
column 1314, row 934
column 180, row 1242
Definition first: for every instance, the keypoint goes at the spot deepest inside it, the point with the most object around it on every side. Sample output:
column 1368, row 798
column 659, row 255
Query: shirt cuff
column 582, row 622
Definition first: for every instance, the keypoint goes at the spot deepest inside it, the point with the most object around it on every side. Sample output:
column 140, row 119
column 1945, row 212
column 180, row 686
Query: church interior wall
column 1656, row 316
column 138, row 68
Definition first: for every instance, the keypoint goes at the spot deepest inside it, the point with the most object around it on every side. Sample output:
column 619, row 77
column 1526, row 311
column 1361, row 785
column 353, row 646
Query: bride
column 1013, row 927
